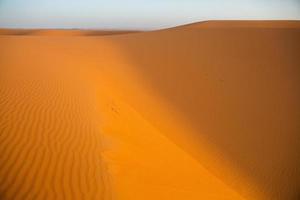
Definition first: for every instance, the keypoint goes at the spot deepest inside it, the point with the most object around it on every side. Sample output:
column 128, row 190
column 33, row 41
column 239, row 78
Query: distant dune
column 62, row 32
column 203, row 111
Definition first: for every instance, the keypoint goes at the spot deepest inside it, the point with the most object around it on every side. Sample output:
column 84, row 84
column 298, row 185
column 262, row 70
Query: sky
column 138, row 14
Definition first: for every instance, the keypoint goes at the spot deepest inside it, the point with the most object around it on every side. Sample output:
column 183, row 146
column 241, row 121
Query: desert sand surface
column 203, row 111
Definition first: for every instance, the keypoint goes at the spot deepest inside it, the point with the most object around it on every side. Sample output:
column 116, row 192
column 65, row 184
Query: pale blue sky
column 137, row 14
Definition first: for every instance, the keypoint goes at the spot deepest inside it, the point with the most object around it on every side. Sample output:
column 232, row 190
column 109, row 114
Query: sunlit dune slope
column 203, row 111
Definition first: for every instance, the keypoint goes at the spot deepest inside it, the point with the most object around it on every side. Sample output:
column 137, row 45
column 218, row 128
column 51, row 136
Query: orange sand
column 203, row 111
column 61, row 32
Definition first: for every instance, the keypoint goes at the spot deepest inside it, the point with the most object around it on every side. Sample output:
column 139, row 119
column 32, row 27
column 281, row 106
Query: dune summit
column 203, row 111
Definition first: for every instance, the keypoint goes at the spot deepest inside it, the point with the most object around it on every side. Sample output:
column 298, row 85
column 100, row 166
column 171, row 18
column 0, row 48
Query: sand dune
column 62, row 32
column 243, row 24
column 203, row 111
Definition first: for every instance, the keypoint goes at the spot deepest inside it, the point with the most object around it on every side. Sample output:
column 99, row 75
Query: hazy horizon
column 138, row 15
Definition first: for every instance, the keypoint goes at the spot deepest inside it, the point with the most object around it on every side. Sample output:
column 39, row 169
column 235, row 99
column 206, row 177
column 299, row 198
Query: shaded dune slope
column 193, row 112
column 237, row 85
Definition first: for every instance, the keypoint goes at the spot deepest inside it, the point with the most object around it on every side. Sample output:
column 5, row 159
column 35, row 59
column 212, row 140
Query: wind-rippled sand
column 203, row 111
